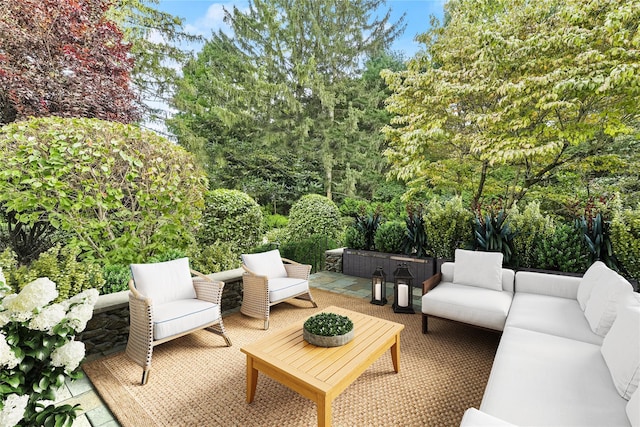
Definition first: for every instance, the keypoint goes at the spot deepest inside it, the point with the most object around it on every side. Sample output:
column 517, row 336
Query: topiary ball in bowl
column 328, row 330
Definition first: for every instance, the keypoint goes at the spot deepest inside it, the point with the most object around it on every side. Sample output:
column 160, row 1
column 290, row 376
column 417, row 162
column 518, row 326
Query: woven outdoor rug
column 195, row 380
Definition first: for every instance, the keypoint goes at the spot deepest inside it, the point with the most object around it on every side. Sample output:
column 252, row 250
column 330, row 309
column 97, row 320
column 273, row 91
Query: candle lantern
column 403, row 290
column 379, row 287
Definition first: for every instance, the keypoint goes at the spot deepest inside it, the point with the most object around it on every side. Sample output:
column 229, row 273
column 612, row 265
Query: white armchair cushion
column 621, row 347
column 633, row 409
column 475, row 418
column 265, row 264
column 481, row 269
column 179, row 316
column 282, row 288
column 468, row 304
column 602, row 305
column 590, row 279
column 164, row 281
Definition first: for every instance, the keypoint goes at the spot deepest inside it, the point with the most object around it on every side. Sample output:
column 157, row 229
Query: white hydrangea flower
column 7, row 356
column 3, row 284
column 13, row 410
column 79, row 315
column 48, row 317
column 89, row 296
column 4, row 318
column 68, row 356
column 35, row 295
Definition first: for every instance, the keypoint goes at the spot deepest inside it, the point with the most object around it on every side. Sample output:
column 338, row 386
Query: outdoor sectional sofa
column 569, row 354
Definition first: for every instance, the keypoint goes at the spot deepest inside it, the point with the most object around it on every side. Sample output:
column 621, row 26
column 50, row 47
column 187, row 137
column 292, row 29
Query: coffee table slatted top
column 321, row 373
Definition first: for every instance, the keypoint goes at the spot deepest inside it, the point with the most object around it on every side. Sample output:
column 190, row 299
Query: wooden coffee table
column 319, row 373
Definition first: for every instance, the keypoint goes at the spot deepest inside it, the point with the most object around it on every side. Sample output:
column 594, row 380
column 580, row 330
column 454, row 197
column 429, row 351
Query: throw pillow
column 265, row 264
column 621, row 347
column 602, row 305
column 481, row 269
column 589, row 280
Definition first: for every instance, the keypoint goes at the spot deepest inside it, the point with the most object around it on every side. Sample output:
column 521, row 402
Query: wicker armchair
column 268, row 281
column 165, row 302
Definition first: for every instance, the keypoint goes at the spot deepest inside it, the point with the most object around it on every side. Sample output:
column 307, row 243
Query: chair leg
column 425, row 326
column 145, row 376
column 266, row 324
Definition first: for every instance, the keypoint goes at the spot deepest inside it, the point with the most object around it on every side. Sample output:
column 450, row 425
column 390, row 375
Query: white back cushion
column 621, row 347
column 633, row 409
column 602, row 305
column 164, row 281
column 481, row 269
column 591, row 278
column 265, row 264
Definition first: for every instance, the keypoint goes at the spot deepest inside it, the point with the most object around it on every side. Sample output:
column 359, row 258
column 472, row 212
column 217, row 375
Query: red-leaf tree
column 63, row 58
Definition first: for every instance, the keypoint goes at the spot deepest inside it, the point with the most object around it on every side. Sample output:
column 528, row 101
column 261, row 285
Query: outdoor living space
column 376, row 398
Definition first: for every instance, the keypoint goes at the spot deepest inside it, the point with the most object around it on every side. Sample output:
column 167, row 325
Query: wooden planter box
column 361, row 263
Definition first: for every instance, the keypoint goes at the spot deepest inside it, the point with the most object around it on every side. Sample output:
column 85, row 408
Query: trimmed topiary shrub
column 448, row 226
column 354, row 238
column 313, row 214
column 220, row 256
column 231, row 216
column 121, row 193
column 390, row 237
column 625, row 236
column 564, row 250
column 531, row 228
column 116, row 278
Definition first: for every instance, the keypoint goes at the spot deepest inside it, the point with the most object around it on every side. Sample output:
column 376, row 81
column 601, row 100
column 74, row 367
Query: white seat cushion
column 551, row 315
column 468, row 304
column 286, row 287
column 474, row 418
column 179, row 316
column 621, row 347
column 265, row 264
column 633, row 409
column 544, row 380
column 164, row 281
column 602, row 305
column 482, row 269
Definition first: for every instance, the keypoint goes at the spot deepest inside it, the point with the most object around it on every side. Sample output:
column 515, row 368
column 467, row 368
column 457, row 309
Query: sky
column 203, row 16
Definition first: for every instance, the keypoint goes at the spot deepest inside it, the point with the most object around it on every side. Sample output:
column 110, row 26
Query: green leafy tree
column 121, row 193
column 509, row 92
column 286, row 84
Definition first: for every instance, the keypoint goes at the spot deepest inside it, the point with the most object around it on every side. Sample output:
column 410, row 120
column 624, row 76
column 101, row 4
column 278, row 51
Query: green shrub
column 367, row 224
column 531, row 228
column 61, row 265
column 275, row 221
column 448, row 226
column 220, row 256
column 231, row 216
column 122, row 193
column 168, row 255
column 354, row 238
column 564, row 250
column 494, row 234
column 415, row 242
column 313, row 214
column 390, row 237
column 308, row 251
column 116, row 278
column 625, row 236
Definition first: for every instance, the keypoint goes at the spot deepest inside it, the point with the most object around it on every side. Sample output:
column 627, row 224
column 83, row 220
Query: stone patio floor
column 96, row 414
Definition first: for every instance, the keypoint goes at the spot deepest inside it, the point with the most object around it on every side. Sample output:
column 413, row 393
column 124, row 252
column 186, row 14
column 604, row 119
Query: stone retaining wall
column 333, row 260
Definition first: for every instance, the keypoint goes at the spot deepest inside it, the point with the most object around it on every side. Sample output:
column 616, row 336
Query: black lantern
column 379, row 287
column 403, row 290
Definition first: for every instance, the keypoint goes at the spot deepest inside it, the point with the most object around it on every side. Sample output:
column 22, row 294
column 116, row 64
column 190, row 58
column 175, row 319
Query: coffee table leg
column 252, row 380
column 395, row 354
column 324, row 411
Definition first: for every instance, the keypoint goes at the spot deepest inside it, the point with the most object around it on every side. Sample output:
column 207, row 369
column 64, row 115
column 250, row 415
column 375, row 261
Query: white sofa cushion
column 508, row 276
column 550, row 284
column 633, row 409
column 591, row 278
column 164, row 281
column 265, row 264
column 474, row 418
column 468, row 304
column 621, row 347
column 550, row 315
column 179, row 316
column 545, row 380
column 481, row 269
column 282, row 288
column 602, row 305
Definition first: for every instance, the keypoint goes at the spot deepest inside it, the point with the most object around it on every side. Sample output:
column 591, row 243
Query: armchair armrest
column 431, row 283
column 297, row 270
column 206, row 288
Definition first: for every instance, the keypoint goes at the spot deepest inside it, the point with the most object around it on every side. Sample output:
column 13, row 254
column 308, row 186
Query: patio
column 96, row 413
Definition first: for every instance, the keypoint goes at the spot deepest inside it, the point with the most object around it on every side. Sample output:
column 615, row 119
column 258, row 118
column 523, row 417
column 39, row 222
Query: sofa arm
column 547, row 284
column 475, row 418
column 431, row 283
